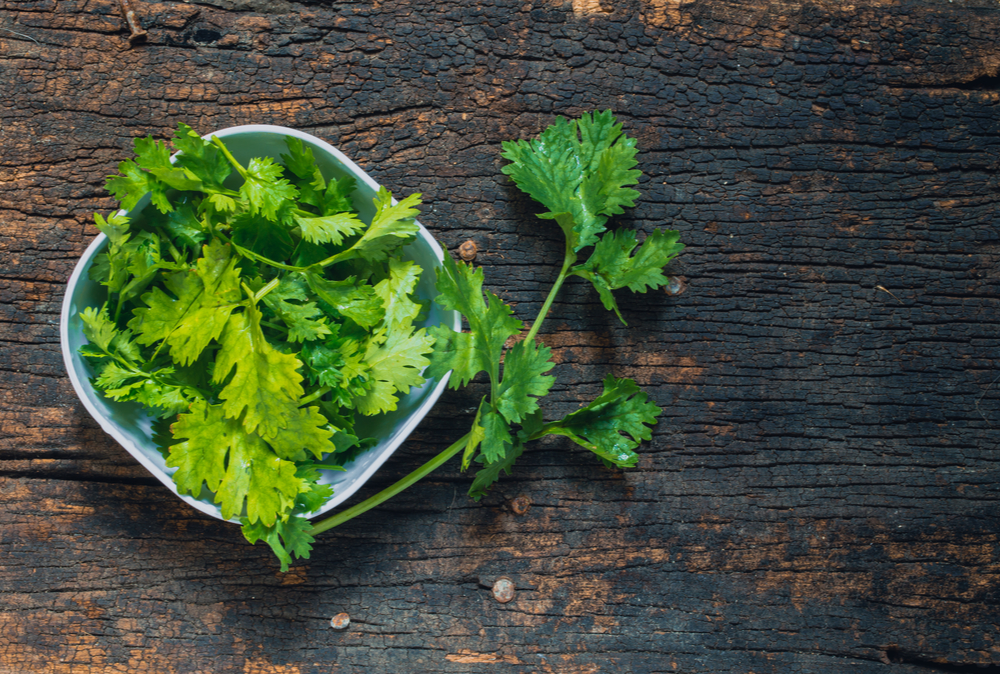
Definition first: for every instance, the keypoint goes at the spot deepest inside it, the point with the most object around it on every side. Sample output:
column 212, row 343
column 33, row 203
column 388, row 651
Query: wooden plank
column 821, row 492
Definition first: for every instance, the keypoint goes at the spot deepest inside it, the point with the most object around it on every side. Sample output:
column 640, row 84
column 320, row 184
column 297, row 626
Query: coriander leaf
column 184, row 227
column 97, row 327
column 524, row 369
column 154, row 156
column 394, row 366
column 237, row 465
column 490, row 321
column 392, row 226
column 103, row 334
column 613, row 425
column 329, row 197
column 305, row 321
column 336, row 198
column 492, row 471
column 476, row 435
column 339, row 364
column 200, row 157
column 579, row 171
column 356, row 301
column 395, row 291
column 262, row 236
column 133, row 184
column 496, row 435
column 301, row 162
column 329, row 228
column 286, row 538
column 266, row 191
column 115, row 227
column 118, row 382
column 612, row 266
column 266, row 382
column 306, row 430
column 197, row 309
column 165, row 400
column 315, row 495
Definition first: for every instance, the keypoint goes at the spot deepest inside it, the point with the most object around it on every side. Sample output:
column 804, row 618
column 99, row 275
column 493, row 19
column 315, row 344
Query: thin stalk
column 315, row 395
column 389, row 492
column 568, row 260
column 232, row 160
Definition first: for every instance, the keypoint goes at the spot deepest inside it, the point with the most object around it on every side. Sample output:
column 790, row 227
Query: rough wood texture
column 821, row 494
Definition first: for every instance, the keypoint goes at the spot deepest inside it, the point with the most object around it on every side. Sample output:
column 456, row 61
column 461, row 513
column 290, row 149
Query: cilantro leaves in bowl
column 254, row 321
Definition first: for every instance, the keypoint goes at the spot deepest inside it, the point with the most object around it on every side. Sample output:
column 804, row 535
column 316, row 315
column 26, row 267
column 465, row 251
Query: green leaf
column 395, row 365
column 197, row 308
column 262, row 236
column 286, row 538
column 164, row 400
column 306, row 431
column 184, row 227
column 266, row 191
column 289, row 302
column 524, row 380
column 237, row 465
column 492, row 471
column 579, row 170
column 356, row 301
column 154, row 156
column 118, row 382
column 612, row 266
column 476, row 435
column 315, row 495
column 496, row 435
column 97, row 327
column 115, row 227
column 613, row 425
column 392, row 227
column 336, row 198
column 395, row 292
column 491, row 323
column 266, row 382
column 133, row 184
column 329, row 228
column 201, row 157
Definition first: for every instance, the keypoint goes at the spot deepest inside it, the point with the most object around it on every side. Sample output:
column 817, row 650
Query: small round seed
column 340, row 621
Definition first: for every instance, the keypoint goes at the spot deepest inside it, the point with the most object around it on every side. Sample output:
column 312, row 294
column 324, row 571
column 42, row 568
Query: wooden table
column 821, row 493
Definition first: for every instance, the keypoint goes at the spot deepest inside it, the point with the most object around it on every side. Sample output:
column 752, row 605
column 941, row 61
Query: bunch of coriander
column 334, row 273
column 261, row 319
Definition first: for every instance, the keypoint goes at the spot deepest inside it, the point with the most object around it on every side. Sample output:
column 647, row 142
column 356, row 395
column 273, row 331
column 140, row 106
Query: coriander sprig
column 580, row 170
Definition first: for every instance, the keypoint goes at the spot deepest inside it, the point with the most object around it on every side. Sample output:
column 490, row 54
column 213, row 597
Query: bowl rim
column 210, row 508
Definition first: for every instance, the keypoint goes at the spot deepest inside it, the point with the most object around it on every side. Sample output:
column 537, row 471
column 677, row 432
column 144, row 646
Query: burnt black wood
column 821, row 492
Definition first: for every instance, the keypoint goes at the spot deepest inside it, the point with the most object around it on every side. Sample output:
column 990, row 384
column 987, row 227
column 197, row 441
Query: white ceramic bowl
column 130, row 426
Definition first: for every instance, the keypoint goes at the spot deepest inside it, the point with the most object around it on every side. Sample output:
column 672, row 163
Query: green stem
column 389, row 492
column 315, row 395
column 568, row 260
column 232, row 160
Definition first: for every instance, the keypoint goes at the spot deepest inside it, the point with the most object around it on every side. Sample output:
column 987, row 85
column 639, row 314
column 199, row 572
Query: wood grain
column 821, row 494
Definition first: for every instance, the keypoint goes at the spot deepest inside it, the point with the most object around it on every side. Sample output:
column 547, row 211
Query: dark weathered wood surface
column 821, row 494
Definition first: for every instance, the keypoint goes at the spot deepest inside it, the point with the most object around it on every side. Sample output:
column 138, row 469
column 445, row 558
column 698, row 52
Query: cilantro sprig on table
column 580, row 170
column 267, row 317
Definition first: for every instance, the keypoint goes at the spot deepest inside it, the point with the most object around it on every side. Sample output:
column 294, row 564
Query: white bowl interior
column 130, row 426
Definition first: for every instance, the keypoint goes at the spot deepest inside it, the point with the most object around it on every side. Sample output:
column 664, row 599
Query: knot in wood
column 520, row 505
column 503, row 589
column 468, row 250
column 340, row 621
column 676, row 285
